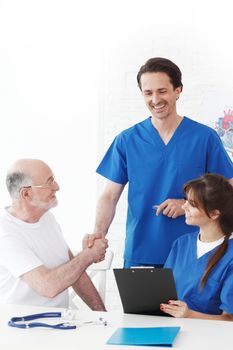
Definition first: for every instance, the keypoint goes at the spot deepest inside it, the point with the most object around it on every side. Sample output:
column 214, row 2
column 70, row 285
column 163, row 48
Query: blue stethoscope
column 69, row 314
column 14, row 321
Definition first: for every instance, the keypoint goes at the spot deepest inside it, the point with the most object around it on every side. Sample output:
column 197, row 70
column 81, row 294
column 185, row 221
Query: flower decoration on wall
column 224, row 128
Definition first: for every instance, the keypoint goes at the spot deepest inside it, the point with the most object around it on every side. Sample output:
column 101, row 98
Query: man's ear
column 25, row 193
column 215, row 214
column 178, row 91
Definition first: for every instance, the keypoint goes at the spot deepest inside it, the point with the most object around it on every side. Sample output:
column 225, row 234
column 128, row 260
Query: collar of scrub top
column 14, row 321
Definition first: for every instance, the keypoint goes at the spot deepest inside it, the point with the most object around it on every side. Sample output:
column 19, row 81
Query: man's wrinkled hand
column 98, row 249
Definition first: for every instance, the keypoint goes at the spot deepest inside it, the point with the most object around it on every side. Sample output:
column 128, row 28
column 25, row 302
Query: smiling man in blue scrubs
column 156, row 157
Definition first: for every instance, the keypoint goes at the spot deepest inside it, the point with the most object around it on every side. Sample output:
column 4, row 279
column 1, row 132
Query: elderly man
column 36, row 264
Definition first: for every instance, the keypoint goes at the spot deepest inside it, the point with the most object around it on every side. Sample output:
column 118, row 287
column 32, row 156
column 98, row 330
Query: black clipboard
column 142, row 290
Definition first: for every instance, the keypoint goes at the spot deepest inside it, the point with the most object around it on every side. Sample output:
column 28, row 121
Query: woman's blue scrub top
column 155, row 172
column 217, row 294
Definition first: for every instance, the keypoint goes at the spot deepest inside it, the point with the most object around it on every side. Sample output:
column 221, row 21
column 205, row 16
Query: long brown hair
column 213, row 192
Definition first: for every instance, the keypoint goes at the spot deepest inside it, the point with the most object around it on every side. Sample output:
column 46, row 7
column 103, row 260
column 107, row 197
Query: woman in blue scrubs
column 202, row 261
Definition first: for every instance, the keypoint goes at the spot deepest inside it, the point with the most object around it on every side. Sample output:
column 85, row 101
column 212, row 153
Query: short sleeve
column 114, row 164
column 16, row 256
column 171, row 259
column 227, row 292
column 218, row 160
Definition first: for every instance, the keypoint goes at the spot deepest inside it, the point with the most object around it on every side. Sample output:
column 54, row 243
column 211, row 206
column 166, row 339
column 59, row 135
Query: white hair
column 15, row 181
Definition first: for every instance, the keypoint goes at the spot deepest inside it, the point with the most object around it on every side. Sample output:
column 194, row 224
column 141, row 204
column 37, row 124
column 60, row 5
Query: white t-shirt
column 23, row 247
column 205, row 247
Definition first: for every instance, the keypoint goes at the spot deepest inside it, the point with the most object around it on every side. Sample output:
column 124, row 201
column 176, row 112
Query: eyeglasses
column 48, row 184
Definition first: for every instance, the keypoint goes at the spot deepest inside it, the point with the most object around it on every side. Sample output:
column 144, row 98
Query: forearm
column 66, row 275
column 105, row 213
column 88, row 293
column 51, row 282
column 106, row 207
column 179, row 308
column 223, row 317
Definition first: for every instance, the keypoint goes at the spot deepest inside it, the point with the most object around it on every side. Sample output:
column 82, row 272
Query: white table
column 194, row 334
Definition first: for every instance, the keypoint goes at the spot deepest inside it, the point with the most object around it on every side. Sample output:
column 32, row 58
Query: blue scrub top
column 217, row 294
column 155, row 172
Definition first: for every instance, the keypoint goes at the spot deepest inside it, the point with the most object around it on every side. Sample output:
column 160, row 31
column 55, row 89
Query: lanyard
column 14, row 321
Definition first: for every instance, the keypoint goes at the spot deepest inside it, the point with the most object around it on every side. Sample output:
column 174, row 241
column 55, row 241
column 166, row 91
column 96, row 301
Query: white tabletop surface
column 194, row 334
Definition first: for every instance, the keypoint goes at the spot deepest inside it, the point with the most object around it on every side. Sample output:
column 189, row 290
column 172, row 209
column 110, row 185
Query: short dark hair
column 159, row 64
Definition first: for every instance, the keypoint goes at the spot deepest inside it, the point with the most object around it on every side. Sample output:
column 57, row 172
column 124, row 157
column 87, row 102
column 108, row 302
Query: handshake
column 95, row 246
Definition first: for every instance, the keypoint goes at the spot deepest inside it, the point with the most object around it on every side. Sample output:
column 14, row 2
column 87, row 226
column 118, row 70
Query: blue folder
column 160, row 336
